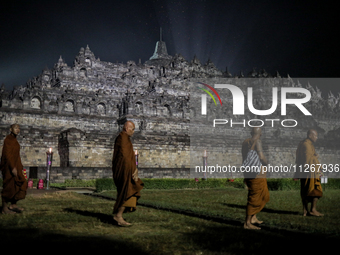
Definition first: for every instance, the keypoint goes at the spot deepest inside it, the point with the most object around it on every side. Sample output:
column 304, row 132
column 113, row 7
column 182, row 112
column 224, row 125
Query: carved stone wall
column 78, row 111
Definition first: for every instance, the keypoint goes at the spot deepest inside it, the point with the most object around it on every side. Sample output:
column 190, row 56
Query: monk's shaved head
column 14, row 125
column 129, row 128
column 256, row 131
column 311, row 131
column 128, row 124
column 15, row 129
column 312, row 134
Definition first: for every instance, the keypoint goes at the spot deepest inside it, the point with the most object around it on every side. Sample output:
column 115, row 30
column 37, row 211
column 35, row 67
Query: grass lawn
column 71, row 222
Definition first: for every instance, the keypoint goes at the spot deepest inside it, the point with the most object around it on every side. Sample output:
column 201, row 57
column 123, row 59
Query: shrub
column 171, row 183
column 80, row 183
column 332, row 184
column 283, row 184
column 104, row 184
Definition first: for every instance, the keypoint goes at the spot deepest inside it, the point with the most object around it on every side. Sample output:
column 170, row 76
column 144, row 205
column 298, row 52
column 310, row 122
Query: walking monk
column 307, row 158
column 125, row 175
column 14, row 182
column 258, row 194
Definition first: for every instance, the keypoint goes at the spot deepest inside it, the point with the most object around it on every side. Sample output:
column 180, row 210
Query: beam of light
column 219, row 33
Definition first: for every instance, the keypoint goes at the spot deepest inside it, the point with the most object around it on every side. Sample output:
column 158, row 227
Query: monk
column 14, row 182
column 125, row 175
column 307, row 158
column 258, row 194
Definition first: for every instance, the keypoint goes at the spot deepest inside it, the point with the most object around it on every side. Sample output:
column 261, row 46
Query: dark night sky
column 298, row 38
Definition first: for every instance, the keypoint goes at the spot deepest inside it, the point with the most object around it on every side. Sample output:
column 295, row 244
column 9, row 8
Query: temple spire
column 160, row 49
column 160, row 36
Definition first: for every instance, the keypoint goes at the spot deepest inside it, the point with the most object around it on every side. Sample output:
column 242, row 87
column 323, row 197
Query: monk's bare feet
column 7, row 211
column 254, row 220
column 15, row 208
column 315, row 213
column 250, row 226
column 121, row 222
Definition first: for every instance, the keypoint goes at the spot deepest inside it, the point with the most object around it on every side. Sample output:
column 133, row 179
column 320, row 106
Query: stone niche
column 101, row 109
column 69, row 146
column 79, row 149
column 69, row 106
column 35, row 103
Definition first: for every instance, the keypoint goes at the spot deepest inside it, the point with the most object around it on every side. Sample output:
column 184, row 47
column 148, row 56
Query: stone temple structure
column 78, row 111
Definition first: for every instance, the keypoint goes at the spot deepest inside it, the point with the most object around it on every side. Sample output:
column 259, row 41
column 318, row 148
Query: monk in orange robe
column 125, row 175
column 258, row 194
column 14, row 182
column 307, row 158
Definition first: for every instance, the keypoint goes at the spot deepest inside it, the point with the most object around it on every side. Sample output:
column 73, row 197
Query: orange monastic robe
column 123, row 167
column 14, row 188
column 258, row 193
column 310, row 181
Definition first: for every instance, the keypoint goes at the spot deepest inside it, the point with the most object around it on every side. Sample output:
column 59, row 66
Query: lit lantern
column 205, row 164
column 49, row 155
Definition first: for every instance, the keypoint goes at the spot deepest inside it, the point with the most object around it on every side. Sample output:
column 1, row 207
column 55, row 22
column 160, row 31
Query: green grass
column 284, row 210
column 71, row 222
column 171, row 183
